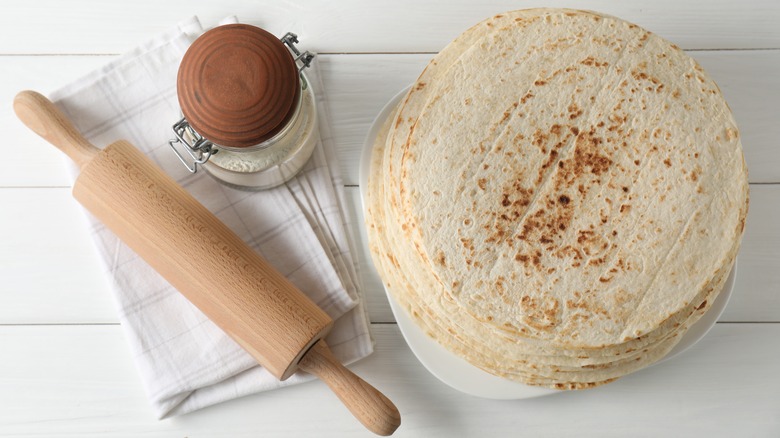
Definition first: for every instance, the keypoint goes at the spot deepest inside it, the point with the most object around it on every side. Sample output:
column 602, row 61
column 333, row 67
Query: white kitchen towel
column 185, row 361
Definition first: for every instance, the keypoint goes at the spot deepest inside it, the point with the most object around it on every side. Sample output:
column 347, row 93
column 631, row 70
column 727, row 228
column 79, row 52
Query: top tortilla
column 565, row 177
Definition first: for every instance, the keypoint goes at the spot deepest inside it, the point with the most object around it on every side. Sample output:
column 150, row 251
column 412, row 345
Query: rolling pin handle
column 40, row 115
column 377, row 413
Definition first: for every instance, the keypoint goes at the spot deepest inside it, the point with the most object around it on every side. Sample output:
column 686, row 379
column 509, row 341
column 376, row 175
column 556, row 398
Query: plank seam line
column 737, row 49
column 58, row 324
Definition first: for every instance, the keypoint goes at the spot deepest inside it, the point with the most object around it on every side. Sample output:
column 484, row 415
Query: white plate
column 467, row 378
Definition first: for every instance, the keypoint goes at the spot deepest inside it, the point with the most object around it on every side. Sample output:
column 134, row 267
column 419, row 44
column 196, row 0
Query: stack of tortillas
column 558, row 198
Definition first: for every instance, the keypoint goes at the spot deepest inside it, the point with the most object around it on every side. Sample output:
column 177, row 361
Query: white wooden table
column 65, row 369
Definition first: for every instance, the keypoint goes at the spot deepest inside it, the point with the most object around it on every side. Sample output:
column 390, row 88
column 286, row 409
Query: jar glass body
column 274, row 161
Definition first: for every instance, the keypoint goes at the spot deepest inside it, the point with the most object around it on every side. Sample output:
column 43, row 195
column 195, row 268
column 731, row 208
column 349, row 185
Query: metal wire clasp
column 198, row 148
column 290, row 40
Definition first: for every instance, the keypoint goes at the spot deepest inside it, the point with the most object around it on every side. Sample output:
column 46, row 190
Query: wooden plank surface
column 50, row 269
column 86, row 26
column 77, row 381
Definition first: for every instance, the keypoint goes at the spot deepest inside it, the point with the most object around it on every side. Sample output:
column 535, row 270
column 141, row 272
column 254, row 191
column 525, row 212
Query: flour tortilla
column 587, row 382
column 465, row 331
column 440, row 59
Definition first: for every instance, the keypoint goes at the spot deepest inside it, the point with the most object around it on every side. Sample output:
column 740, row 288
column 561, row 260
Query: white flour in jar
column 255, row 161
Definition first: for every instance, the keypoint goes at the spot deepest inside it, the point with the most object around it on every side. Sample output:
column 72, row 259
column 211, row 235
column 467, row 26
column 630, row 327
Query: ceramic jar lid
column 238, row 85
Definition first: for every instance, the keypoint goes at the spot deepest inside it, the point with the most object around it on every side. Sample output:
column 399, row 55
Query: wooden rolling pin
column 232, row 285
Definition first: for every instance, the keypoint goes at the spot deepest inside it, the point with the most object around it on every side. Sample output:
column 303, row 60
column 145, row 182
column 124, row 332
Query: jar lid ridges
column 238, row 85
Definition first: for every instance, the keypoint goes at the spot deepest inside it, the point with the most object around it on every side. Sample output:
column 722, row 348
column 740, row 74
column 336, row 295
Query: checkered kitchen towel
column 185, row 361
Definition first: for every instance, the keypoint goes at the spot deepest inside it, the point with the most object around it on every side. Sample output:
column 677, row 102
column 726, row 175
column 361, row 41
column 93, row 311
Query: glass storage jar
column 249, row 112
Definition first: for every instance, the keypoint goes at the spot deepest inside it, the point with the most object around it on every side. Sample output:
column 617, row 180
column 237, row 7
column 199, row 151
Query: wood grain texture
column 238, row 85
column 78, row 381
column 43, row 118
column 37, row 163
column 166, row 226
column 377, row 413
column 356, row 26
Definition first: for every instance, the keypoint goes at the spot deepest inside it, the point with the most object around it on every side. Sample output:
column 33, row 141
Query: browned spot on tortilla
column 584, row 236
column 574, row 111
column 625, row 208
column 440, row 259
column 581, row 170
column 668, row 162
column 592, row 62
column 540, row 313
column 702, row 305
column 550, row 160
column 482, row 182
column 505, row 201
column 587, row 156
column 539, row 82
column 539, row 139
column 392, row 259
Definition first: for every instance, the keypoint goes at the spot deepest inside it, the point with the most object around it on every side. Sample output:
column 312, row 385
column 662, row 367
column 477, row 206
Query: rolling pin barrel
column 170, row 230
column 232, row 285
